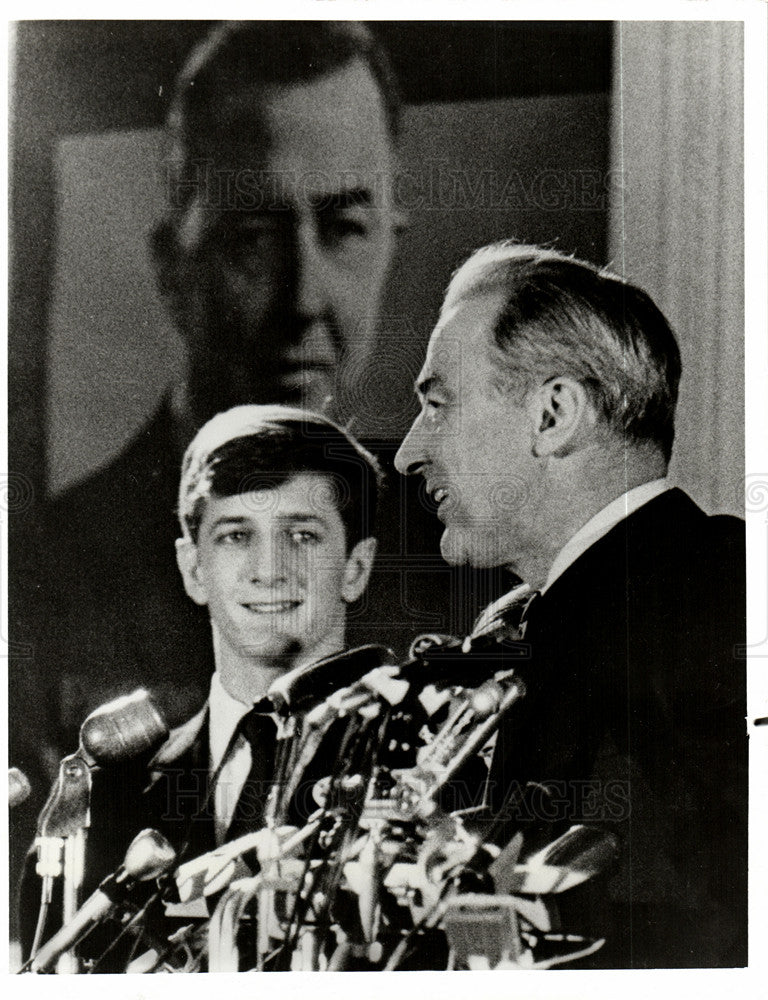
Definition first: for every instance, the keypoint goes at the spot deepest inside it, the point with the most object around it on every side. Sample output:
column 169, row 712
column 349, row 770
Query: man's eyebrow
column 337, row 201
column 227, row 520
column 331, row 201
column 301, row 515
column 284, row 517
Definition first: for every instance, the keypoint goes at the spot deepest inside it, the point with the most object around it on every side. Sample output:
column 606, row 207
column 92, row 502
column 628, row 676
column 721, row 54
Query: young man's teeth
column 272, row 606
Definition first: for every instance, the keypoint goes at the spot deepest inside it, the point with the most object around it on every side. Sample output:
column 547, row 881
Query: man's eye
column 304, row 536
column 433, row 405
column 251, row 244
column 339, row 227
column 234, row 537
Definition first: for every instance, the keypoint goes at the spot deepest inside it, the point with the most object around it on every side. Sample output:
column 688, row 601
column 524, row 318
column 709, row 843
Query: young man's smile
column 273, row 568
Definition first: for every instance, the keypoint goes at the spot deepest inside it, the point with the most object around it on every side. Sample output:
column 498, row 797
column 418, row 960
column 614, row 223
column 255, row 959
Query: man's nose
column 312, row 276
column 268, row 561
column 412, row 454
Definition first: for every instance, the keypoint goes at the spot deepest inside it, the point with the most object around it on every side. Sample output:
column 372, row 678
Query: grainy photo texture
column 376, row 491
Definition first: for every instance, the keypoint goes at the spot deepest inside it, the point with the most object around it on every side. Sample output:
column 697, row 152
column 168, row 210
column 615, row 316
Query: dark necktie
column 260, row 731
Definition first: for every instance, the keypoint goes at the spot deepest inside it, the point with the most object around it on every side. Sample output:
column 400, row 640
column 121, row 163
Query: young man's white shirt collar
column 602, row 522
column 225, row 713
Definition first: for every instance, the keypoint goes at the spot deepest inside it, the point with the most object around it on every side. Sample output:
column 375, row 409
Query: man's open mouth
column 271, row 607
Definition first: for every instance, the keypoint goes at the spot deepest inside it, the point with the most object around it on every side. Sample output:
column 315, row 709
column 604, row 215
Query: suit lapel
column 177, row 798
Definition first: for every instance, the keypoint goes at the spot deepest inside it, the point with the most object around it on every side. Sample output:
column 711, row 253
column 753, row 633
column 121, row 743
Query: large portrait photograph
column 384, row 529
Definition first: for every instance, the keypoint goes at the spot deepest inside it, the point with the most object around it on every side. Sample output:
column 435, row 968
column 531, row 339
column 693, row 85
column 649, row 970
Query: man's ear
column 186, row 560
column 561, row 416
column 357, row 571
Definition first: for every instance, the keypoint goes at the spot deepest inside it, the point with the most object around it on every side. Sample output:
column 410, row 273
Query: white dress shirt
column 225, row 713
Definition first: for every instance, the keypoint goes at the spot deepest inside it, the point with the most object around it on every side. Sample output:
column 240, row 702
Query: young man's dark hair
column 251, row 448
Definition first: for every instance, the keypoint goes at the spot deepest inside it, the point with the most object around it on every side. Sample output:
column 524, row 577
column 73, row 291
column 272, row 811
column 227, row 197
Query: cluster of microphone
column 360, row 686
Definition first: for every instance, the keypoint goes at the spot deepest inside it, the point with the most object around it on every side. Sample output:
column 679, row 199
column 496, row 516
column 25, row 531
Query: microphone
column 306, row 686
column 122, row 728
column 444, row 661
column 211, row 872
column 116, row 731
column 579, row 854
column 67, row 808
column 19, row 788
column 148, row 856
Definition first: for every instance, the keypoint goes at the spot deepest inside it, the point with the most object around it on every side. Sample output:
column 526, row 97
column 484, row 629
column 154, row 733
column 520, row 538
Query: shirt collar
column 226, row 712
column 601, row 524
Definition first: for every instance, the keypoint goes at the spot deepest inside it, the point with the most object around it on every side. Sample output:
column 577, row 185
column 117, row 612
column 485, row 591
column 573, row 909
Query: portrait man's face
column 273, row 568
column 281, row 257
column 473, row 440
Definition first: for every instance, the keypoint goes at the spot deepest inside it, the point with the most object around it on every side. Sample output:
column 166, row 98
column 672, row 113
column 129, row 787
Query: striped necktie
column 506, row 618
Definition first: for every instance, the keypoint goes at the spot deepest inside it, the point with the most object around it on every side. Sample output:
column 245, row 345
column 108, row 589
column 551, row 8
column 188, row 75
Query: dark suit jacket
column 635, row 719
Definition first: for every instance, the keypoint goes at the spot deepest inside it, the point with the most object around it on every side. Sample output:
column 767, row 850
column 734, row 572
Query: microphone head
column 444, row 661
column 428, row 641
column 148, row 856
column 583, row 848
column 308, row 685
column 123, row 728
column 19, row 788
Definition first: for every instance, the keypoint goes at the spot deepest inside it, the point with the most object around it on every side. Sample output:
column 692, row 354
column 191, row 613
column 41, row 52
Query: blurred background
column 621, row 143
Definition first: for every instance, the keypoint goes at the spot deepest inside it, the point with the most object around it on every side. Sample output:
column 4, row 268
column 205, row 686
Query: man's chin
column 453, row 548
column 461, row 547
column 277, row 648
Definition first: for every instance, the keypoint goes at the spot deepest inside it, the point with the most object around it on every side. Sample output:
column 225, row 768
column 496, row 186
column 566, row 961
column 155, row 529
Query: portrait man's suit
column 635, row 719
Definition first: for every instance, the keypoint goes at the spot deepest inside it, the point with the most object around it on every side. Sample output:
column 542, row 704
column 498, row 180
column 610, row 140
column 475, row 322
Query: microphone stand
column 60, row 841
column 116, row 731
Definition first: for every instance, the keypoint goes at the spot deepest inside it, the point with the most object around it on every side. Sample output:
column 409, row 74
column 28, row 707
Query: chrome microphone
column 117, row 731
column 306, row 686
column 148, row 856
column 122, row 729
column 579, row 854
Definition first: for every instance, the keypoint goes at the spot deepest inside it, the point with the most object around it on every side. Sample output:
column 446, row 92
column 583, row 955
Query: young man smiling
column 277, row 509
